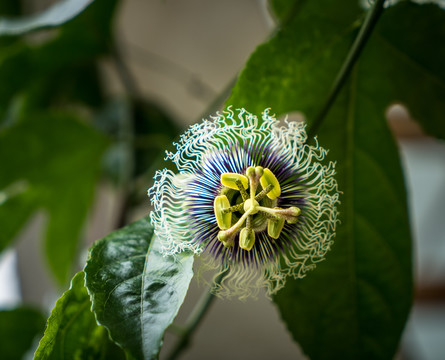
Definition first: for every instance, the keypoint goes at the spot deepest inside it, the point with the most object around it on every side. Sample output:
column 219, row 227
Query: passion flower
column 252, row 196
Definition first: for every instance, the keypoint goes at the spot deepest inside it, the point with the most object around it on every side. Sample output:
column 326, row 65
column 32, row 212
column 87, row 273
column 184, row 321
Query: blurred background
column 177, row 64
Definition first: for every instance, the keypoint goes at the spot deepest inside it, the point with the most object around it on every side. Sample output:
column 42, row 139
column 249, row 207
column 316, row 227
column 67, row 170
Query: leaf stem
column 195, row 318
column 352, row 57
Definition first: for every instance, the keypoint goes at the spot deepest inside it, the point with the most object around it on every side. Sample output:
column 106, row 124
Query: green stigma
column 246, row 205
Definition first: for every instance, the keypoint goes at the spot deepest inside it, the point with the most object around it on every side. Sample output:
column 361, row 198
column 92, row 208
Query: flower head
column 250, row 194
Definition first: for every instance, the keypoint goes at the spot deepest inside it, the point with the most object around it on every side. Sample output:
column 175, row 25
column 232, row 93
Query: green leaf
column 408, row 49
column 49, row 161
column 18, row 329
column 72, row 331
column 55, row 15
column 355, row 303
column 136, row 291
column 294, row 70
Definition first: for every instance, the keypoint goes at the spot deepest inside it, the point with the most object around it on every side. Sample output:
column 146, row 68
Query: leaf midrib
column 142, row 295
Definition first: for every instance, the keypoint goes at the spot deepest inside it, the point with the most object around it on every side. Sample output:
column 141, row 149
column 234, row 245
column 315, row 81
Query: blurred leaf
column 18, row 329
column 136, row 291
column 62, row 67
column 49, row 161
column 142, row 131
column 355, row 303
column 9, row 8
column 55, row 15
column 115, row 119
column 72, row 331
column 74, row 84
column 154, row 132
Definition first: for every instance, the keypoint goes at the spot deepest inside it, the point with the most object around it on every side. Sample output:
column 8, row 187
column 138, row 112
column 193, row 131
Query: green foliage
column 53, row 111
column 366, row 280
column 60, row 70
column 18, row 330
column 405, row 60
column 55, row 15
column 136, row 291
column 56, row 157
column 72, row 331
column 48, row 152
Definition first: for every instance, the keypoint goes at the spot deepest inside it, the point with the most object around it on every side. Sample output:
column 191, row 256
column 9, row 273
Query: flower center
column 262, row 185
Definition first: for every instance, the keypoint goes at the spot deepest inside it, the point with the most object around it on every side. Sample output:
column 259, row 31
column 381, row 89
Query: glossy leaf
column 55, row 15
column 50, row 162
column 356, row 302
column 136, row 291
column 18, row 330
column 72, row 331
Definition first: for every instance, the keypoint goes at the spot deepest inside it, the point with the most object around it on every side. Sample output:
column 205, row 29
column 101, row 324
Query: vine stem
column 195, row 318
column 365, row 31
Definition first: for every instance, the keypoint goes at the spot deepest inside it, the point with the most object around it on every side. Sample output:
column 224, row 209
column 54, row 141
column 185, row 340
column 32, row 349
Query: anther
column 223, row 218
column 246, row 239
column 230, row 180
column 268, row 178
column 274, row 227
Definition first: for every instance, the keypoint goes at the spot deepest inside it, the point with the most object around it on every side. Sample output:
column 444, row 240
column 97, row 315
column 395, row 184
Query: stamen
column 234, row 208
column 251, row 206
column 242, row 190
column 267, row 178
column 260, row 196
column 274, row 227
column 254, row 174
column 223, row 218
column 246, row 239
column 229, row 234
column 230, row 180
column 290, row 214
